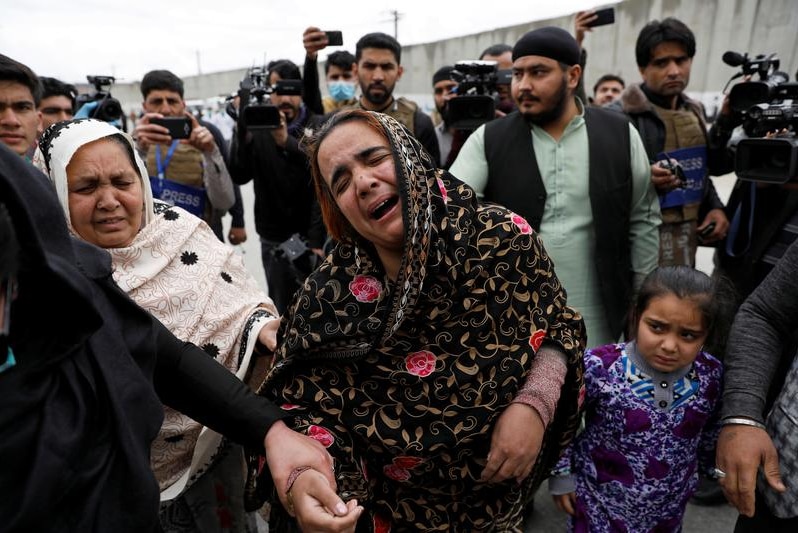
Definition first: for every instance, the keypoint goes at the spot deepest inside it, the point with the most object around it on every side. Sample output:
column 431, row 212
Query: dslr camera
column 255, row 112
column 765, row 106
column 108, row 108
column 477, row 97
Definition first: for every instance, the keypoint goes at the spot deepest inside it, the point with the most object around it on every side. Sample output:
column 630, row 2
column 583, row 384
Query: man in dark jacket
column 673, row 127
column 285, row 202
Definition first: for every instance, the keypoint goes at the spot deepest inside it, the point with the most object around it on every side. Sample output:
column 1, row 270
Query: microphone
column 733, row 59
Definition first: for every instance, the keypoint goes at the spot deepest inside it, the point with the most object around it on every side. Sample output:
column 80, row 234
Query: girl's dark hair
column 715, row 297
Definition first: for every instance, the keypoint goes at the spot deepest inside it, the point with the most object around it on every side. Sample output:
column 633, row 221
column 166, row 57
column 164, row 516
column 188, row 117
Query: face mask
column 341, row 90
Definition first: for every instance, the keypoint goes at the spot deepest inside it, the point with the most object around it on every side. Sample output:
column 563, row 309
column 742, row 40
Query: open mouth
column 381, row 209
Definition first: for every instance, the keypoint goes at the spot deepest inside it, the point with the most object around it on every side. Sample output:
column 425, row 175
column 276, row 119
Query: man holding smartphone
column 340, row 72
column 190, row 171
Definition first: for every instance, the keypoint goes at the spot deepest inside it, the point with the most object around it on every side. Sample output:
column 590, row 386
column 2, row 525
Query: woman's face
column 105, row 194
column 358, row 168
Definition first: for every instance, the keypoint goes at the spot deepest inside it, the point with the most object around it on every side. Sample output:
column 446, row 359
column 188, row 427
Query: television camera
column 476, row 98
column 108, row 108
column 255, row 112
column 768, row 109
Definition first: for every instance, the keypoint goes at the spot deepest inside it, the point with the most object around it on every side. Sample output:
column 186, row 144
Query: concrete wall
column 755, row 26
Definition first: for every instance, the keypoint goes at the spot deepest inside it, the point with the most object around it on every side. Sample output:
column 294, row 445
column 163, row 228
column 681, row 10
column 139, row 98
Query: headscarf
column 60, row 142
column 404, row 380
column 178, row 270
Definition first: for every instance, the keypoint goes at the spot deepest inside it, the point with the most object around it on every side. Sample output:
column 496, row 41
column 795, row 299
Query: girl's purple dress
column 636, row 463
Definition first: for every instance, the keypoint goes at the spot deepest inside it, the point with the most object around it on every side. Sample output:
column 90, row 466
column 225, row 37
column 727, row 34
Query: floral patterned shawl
column 403, row 381
column 196, row 286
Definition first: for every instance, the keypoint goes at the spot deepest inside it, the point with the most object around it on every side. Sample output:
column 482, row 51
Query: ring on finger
column 720, row 474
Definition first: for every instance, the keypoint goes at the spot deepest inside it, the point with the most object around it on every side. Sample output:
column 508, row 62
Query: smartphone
column 706, row 232
column 179, row 127
column 603, row 17
column 334, row 38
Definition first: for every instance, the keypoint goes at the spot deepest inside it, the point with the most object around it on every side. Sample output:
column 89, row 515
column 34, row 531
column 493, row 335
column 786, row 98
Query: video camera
column 477, row 97
column 108, row 108
column 767, row 105
column 254, row 110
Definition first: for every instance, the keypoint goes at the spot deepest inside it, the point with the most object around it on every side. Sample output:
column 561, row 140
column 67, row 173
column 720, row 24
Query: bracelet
column 293, row 477
column 742, row 422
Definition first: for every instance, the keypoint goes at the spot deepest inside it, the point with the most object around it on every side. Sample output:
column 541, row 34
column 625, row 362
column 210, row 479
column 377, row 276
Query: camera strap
column 169, row 153
column 746, row 206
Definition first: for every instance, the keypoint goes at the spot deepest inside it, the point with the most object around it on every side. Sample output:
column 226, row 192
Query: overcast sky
column 68, row 39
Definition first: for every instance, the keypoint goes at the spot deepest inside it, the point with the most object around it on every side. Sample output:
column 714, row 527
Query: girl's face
column 358, row 167
column 670, row 332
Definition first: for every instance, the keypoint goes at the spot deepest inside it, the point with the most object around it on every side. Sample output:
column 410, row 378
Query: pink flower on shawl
column 289, row 406
column 381, row 524
column 396, row 473
column 522, row 224
column 407, row 462
column 365, row 288
column 322, row 435
column 420, row 364
column 537, row 339
column 442, row 187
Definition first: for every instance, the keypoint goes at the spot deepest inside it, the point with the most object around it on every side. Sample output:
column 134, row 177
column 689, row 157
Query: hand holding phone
column 179, row 127
column 334, row 38
column 603, row 17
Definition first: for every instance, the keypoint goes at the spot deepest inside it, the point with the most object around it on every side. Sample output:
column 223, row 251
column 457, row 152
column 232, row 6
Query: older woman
column 429, row 350
column 172, row 265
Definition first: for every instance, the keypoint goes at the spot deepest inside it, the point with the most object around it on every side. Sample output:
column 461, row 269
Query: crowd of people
column 454, row 314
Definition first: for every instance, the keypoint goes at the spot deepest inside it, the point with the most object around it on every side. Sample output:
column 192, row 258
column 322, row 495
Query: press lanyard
column 169, row 154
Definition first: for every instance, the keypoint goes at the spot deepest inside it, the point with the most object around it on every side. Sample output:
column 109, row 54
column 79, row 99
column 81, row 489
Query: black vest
column 514, row 181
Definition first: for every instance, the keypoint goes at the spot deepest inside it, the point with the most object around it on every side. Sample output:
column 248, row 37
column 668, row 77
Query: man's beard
column 290, row 112
column 550, row 115
column 376, row 99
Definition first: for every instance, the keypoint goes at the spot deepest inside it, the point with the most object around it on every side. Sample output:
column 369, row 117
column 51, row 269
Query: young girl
column 650, row 411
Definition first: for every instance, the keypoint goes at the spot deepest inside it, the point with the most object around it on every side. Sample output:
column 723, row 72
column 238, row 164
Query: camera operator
column 196, row 162
column 20, row 94
column 285, row 202
column 502, row 54
column 673, row 126
column 58, row 101
column 763, row 212
column 443, row 87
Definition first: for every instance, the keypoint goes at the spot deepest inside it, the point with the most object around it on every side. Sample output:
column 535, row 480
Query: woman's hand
column 310, row 503
column 515, row 444
column 267, row 335
column 287, row 450
column 566, row 502
column 740, row 452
